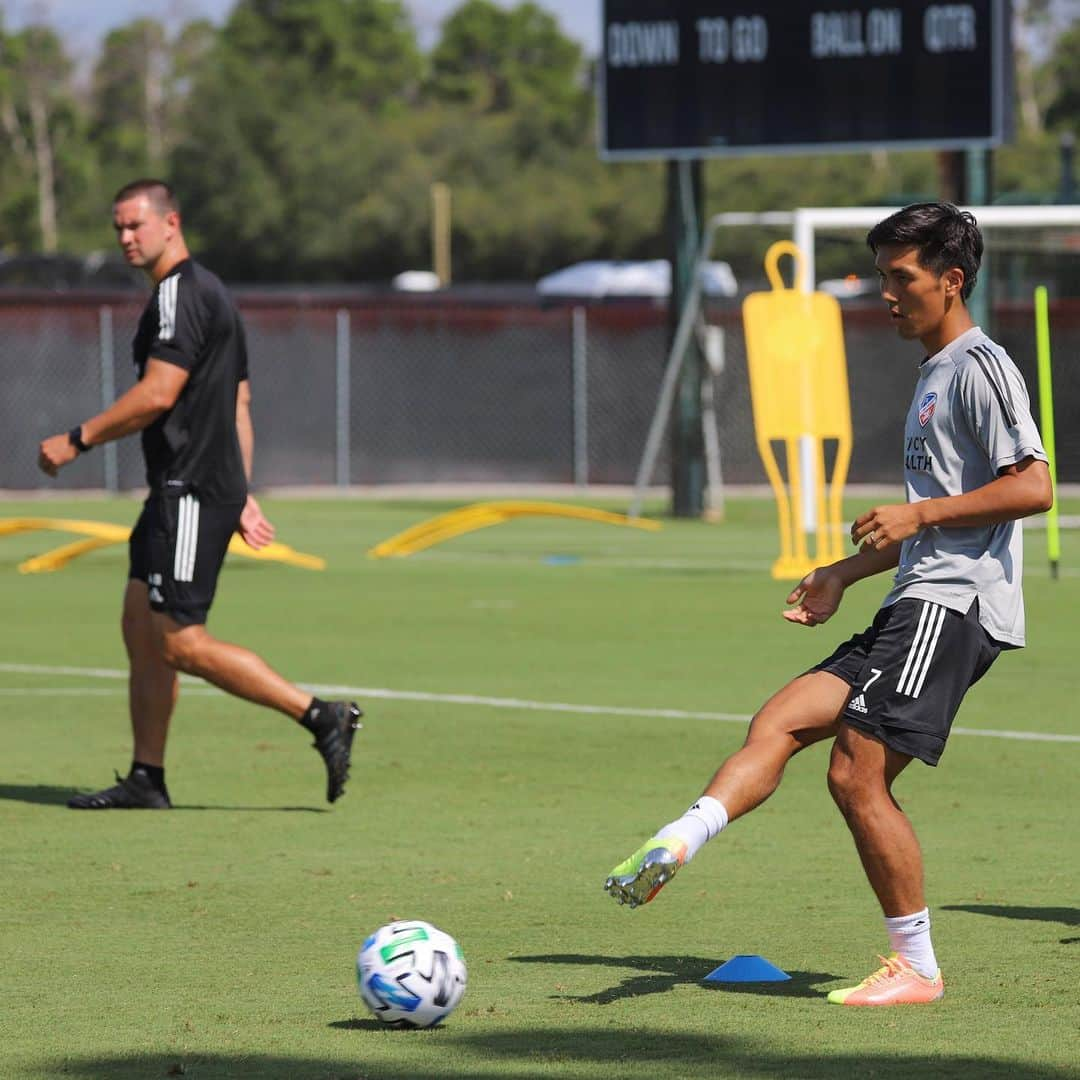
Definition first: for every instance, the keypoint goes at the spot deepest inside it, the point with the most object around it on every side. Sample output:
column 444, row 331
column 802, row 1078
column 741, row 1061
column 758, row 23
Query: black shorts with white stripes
column 177, row 547
column 909, row 671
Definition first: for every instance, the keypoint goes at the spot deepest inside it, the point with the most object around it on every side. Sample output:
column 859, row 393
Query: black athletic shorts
column 177, row 547
column 909, row 671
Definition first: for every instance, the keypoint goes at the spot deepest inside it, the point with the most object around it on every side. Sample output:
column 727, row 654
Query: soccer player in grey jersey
column 974, row 465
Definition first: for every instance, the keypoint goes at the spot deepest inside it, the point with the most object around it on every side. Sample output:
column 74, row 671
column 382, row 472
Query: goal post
column 809, row 221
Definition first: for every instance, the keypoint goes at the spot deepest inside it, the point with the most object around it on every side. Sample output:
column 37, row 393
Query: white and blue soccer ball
column 410, row 974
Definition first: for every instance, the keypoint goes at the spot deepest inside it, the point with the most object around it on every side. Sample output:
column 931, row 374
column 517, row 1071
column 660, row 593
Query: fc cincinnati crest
column 926, row 408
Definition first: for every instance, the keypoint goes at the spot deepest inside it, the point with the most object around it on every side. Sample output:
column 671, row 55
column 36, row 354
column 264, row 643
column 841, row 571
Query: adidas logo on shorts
column 858, row 704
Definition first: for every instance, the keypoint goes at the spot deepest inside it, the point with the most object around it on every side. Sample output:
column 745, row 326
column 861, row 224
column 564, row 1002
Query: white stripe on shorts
column 922, row 649
column 187, row 539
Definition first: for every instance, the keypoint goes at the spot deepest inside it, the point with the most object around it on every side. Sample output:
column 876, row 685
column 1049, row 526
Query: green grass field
column 219, row 940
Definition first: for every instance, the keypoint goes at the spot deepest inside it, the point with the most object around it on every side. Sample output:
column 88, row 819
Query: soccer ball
column 410, row 974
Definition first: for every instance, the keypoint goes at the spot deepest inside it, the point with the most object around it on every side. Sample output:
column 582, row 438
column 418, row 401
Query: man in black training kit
column 192, row 405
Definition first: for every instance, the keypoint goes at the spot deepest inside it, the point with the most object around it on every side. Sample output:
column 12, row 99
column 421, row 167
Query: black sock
column 154, row 773
column 316, row 716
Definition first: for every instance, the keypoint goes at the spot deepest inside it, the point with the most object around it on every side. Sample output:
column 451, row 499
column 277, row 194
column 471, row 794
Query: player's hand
column 254, row 529
column 885, row 525
column 816, row 597
column 54, row 453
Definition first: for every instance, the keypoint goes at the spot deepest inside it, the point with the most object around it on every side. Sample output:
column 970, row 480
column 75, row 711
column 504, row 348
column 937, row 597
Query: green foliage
column 360, row 51
column 783, row 182
column 43, row 129
column 304, row 137
column 297, row 106
column 496, row 60
column 128, row 95
column 139, row 86
column 1064, row 110
column 1028, row 169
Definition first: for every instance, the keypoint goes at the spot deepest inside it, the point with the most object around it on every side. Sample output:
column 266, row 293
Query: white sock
column 909, row 935
column 704, row 820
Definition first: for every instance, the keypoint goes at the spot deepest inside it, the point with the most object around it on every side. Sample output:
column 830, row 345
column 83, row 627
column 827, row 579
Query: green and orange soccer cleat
column 897, row 983
column 637, row 880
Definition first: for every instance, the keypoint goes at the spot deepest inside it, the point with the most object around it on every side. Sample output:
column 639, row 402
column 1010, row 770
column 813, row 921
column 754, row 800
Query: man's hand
column 254, row 529
column 54, row 453
column 885, row 525
column 816, row 597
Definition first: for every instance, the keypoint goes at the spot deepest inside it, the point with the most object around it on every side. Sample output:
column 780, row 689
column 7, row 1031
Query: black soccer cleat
column 134, row 792
column 334, row 740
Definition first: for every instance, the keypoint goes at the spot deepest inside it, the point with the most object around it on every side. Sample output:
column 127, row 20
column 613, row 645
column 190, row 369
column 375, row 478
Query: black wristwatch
column 75, row 438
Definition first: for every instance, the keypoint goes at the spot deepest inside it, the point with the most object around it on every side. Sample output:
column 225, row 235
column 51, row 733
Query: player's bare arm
column 1018, row 491
column 818, row 595
column 245, row 430
column 254, row 528
column 155, row 393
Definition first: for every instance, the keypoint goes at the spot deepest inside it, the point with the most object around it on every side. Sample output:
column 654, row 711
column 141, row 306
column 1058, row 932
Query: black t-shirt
column 191, row 321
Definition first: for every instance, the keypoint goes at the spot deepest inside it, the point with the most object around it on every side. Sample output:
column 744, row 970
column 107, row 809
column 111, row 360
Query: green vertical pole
column 685, row 191
column 1046, row 418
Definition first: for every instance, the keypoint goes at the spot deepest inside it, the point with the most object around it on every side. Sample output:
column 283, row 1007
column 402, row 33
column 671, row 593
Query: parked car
column 603, row 279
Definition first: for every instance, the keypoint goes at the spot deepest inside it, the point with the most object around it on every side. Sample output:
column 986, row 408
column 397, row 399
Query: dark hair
column 943, row 235
column 161, row 195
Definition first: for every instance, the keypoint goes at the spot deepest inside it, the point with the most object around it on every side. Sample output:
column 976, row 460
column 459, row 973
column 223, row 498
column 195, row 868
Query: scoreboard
column 703, row 78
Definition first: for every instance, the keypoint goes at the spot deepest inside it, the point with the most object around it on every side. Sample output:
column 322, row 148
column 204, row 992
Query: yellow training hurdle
column 468, row 519
column 99, row 534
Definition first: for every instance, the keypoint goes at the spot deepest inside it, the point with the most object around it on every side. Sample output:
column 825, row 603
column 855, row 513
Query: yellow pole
column 1046, row 416
column 440, row 231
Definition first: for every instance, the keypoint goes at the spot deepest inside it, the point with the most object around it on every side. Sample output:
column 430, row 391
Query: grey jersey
column 969, row 418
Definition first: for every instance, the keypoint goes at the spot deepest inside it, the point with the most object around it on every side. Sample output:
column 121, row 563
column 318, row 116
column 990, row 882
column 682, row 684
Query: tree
column 289, row 126
column 34, row 108
column 130, row 84
column 303, row 137
column 496, row 61
column 138, row 88
column 354, row 50
column 1031, row 26
column 1064, row 70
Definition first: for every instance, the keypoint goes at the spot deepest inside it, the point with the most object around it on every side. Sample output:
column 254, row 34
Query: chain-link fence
column 371, row 391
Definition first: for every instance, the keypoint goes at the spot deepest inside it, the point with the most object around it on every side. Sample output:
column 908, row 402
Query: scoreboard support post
column 685, row 220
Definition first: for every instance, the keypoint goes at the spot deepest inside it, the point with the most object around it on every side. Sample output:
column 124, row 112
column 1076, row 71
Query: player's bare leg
column 239, row 671
column 152, row 684
column 861, row 773
column 152, row 693
column 802, row 713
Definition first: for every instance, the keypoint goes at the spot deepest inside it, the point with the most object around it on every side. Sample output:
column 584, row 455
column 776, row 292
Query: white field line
column 1033, row 567
column 499, row 703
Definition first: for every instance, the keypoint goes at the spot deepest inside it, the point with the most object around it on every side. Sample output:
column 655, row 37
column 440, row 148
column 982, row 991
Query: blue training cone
column 747, row 969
